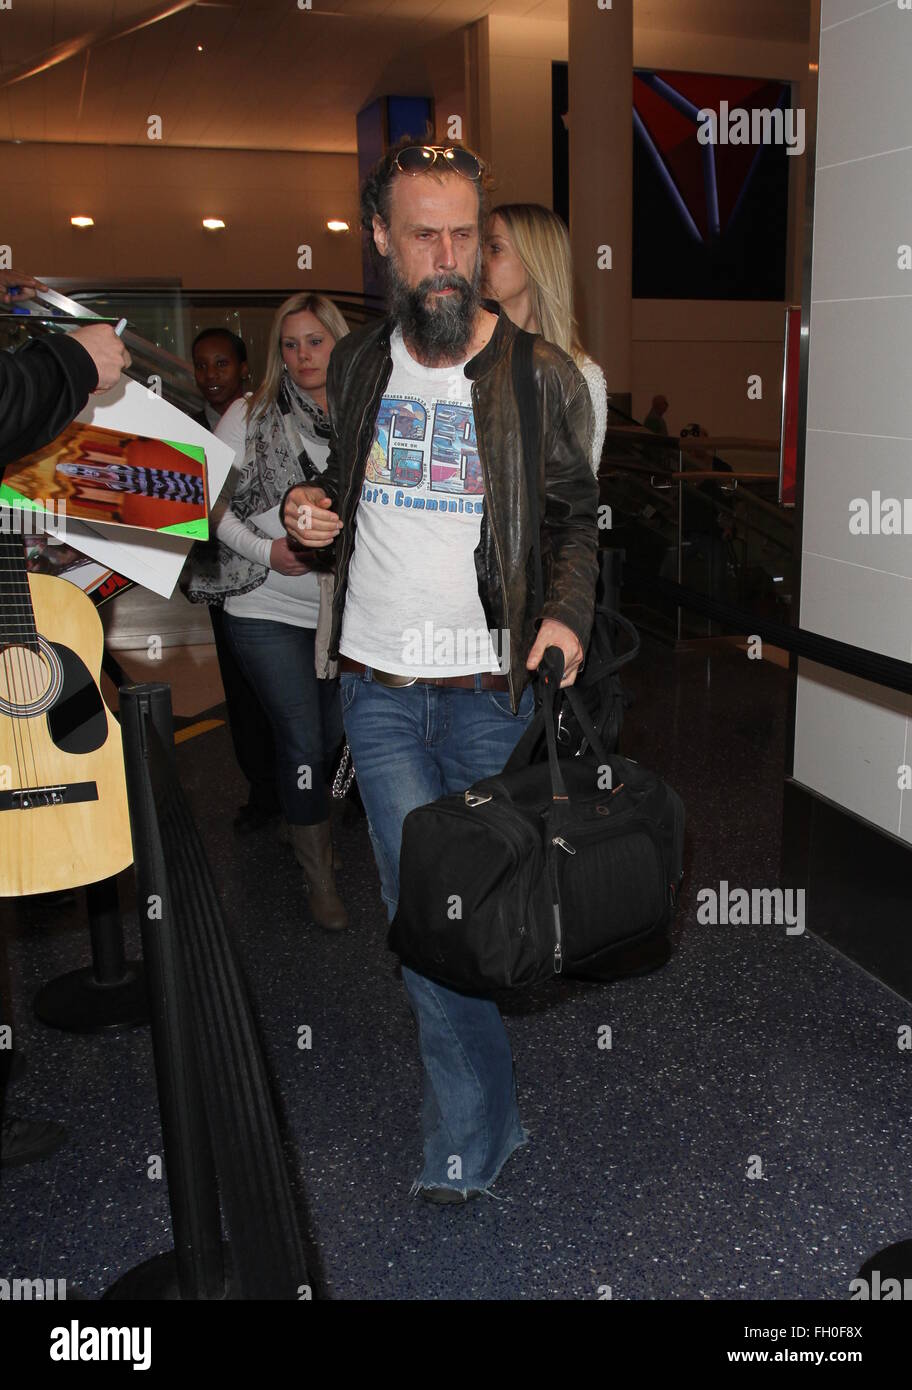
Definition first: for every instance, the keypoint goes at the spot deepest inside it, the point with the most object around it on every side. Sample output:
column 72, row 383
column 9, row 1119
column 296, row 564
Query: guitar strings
column 8, row 650
column 19, row 670
column 30, row 662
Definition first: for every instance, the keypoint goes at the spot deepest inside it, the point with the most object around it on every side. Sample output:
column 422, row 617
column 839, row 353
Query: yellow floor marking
column 192, row 730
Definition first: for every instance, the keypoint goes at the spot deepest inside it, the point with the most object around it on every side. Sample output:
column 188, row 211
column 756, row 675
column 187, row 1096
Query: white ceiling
column 270, row 75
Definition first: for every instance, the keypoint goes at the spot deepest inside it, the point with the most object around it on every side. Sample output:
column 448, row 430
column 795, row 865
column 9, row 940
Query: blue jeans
column 409, row 746
column 277, row 660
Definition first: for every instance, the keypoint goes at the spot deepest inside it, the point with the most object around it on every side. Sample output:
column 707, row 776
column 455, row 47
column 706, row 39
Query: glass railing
column 163, row 320
column 168, row 317
column 700, row 512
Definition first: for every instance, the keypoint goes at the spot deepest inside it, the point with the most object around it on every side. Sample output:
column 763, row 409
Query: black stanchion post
column 196, row 1268
column 109, row 993
column 108, row 956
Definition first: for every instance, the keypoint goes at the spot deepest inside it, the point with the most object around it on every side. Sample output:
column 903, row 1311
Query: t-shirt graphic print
column 413, row 442
column 412, row 605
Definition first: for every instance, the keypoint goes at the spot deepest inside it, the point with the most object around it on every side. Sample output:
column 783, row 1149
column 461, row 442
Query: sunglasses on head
column 417, row 159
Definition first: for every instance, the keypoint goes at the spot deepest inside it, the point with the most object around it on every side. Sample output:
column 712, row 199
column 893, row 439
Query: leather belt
column 489, row 681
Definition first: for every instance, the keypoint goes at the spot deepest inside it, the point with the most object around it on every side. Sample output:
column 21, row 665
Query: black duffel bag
column 547, row 868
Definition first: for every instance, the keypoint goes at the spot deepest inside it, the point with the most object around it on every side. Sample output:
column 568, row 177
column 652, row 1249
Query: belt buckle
column 394, row 682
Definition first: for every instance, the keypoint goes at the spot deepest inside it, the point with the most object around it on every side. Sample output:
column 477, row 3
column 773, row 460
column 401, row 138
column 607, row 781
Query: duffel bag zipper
column 635, row 824
column 643, row 826
column 555, row 903
column 522, row 843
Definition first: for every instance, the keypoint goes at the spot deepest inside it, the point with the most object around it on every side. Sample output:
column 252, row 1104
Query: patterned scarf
column 276, row 458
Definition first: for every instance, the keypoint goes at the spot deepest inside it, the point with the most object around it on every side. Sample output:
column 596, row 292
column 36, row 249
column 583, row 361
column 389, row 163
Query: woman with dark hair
column 223, row 377
column 222, row 374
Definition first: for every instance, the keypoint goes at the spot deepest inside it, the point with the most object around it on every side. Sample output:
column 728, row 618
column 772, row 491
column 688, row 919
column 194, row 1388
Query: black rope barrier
column 223, row 1147
column 887, row 671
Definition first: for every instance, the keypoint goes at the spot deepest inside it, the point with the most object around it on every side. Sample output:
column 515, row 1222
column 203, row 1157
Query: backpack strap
column 530, row 430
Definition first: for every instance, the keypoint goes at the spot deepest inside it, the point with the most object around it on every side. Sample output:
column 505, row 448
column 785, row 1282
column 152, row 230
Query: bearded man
column 432, row 544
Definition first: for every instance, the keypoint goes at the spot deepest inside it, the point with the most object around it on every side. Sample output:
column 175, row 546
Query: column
column 601, row 184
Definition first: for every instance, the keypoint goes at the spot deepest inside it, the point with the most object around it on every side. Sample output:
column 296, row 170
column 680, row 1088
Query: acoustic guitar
column 64, row 819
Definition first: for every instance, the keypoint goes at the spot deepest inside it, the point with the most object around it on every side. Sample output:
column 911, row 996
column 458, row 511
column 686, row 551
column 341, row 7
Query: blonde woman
column 272, row 591
column 529, row 272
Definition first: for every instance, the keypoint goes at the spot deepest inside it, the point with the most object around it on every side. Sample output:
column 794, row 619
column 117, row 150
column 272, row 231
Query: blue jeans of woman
column 409, row 746
column 278, row 661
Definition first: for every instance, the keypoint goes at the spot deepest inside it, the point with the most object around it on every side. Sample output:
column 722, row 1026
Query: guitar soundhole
column 30, row 681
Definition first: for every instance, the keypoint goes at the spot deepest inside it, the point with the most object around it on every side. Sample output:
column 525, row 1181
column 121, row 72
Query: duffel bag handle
column 585, row 723
column 551, row 673
column 633, row 651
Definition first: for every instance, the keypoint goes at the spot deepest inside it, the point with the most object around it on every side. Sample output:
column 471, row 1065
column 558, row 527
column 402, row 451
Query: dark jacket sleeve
column 43, row 387
column 331, row 481
column 570, row 528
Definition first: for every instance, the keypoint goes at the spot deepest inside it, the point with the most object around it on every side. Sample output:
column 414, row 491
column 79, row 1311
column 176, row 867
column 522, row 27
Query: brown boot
column 283, row 834
column 312, row 845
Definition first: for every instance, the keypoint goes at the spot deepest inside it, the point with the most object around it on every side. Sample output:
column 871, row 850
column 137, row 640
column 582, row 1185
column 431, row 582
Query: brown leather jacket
column 359, row 369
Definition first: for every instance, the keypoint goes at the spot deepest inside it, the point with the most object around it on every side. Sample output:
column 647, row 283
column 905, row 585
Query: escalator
column 681, row 511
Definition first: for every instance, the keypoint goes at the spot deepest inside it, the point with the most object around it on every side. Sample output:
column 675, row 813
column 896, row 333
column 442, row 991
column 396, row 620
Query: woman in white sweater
column 528, row 270
column 271, row 592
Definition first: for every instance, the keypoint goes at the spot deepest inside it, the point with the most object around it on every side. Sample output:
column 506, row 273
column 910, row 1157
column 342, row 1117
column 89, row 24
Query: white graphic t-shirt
column 412, row 605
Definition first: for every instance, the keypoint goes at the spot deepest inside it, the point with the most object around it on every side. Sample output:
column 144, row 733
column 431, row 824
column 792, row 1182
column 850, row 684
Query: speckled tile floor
column 749, row 1044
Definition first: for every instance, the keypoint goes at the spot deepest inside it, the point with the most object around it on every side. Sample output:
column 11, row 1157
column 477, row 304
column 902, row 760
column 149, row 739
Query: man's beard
column 440, row 329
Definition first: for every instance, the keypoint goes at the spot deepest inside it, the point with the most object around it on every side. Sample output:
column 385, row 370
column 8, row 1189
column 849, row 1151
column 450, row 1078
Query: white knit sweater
column 598, row 390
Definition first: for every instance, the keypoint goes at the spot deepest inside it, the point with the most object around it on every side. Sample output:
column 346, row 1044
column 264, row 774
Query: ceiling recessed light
column 336, row 224
column 213, row 224
column 199, row 48
column 81, row 221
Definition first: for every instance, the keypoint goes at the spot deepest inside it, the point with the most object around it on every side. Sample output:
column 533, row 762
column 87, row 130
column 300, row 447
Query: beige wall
column 148, row 205
column 699, row 355
column 515, row 116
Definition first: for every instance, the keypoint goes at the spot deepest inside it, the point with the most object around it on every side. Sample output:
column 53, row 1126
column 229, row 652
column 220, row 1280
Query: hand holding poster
column 151, row 558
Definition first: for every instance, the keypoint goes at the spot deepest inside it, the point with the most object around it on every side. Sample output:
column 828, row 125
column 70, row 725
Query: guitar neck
column 17, row 617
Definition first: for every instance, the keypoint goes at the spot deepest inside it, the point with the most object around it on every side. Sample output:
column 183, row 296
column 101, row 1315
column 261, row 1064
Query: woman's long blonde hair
column 323, row 309
column 542, row 243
